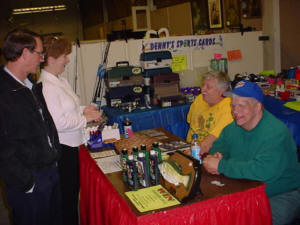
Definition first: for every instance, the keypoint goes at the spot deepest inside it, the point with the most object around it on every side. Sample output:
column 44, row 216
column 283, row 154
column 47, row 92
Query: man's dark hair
column 15, row 41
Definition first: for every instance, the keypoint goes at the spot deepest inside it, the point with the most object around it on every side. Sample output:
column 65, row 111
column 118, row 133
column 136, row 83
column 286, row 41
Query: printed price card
column 151, row 198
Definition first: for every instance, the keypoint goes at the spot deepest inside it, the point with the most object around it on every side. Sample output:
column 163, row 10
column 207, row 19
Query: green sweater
column 266, row 153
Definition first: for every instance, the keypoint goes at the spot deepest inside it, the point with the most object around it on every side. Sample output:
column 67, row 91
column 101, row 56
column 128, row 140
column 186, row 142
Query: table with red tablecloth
column 103, row 202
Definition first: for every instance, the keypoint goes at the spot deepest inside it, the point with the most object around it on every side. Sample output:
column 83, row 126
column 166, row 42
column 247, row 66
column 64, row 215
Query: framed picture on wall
column 199, row 16
column 215, row 18
column 232, row 13
column 250, row 8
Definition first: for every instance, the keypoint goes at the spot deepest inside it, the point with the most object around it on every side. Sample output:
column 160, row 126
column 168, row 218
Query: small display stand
column 188, row 166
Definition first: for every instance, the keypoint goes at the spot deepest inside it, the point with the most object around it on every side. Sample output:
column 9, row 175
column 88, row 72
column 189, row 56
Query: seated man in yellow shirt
column 211, row 111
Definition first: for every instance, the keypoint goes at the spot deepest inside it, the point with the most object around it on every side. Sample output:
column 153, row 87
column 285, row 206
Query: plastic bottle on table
column 143, row 149
column 155, row 147
column 132, row 174
column 127, row 128
column 143, row 170
column 146, row 153
column 154, row 170
column 195, row 148
column 135, row 152
column 124, row 158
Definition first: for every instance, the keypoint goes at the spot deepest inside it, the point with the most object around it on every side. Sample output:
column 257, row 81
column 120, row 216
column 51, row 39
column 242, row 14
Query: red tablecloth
column 100, row 204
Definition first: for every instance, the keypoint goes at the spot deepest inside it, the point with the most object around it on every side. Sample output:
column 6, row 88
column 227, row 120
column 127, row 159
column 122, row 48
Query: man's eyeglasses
column 42, row 54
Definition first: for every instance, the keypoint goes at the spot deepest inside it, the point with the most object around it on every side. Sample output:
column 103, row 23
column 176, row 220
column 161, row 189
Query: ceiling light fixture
column 39, row 9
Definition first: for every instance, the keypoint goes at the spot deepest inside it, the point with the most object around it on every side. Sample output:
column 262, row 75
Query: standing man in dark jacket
column 29, row 145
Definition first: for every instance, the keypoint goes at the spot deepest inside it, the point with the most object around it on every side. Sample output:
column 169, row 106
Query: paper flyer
column 109, row 164
column 151, row 198
column 179, row 63
column 234, row 55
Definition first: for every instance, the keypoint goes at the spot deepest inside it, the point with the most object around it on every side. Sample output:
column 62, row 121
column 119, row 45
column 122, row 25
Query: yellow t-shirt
column 205, row 119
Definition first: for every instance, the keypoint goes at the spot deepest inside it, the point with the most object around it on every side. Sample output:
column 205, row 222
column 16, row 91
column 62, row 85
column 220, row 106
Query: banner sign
column 186, row 43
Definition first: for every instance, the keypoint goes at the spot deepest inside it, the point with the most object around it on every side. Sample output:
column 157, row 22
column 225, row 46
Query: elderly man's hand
column 211, row 163
column 218, row 155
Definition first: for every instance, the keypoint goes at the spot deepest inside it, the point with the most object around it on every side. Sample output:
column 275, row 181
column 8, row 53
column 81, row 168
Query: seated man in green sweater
column 258, row 146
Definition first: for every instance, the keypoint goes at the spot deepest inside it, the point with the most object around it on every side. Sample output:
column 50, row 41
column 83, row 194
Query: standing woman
column 70, row 119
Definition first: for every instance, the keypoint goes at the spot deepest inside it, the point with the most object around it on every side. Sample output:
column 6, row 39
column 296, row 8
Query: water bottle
column 127, row 128
column 195, row 147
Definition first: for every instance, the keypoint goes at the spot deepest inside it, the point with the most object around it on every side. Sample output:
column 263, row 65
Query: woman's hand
column 92, row 114
column 90, row 108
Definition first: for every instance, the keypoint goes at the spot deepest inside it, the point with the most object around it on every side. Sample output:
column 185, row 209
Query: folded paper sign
column 110, row 132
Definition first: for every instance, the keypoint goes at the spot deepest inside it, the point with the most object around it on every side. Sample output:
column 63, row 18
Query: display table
column 238, row 202
column 172, row 119
column 290, row 117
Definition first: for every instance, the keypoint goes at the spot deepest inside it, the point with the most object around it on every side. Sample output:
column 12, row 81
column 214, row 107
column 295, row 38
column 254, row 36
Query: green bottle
column 135, row 152
column 124, row 158
column 155, row 147
column 154, row 170
column 143, row 170
column 146, row 154
column 132, row 173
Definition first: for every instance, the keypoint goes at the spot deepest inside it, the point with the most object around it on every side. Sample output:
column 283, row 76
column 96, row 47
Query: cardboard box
column 165, row 85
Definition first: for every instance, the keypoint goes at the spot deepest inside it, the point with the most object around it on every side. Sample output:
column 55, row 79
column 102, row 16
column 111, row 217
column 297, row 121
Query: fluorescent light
column 39, row 9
